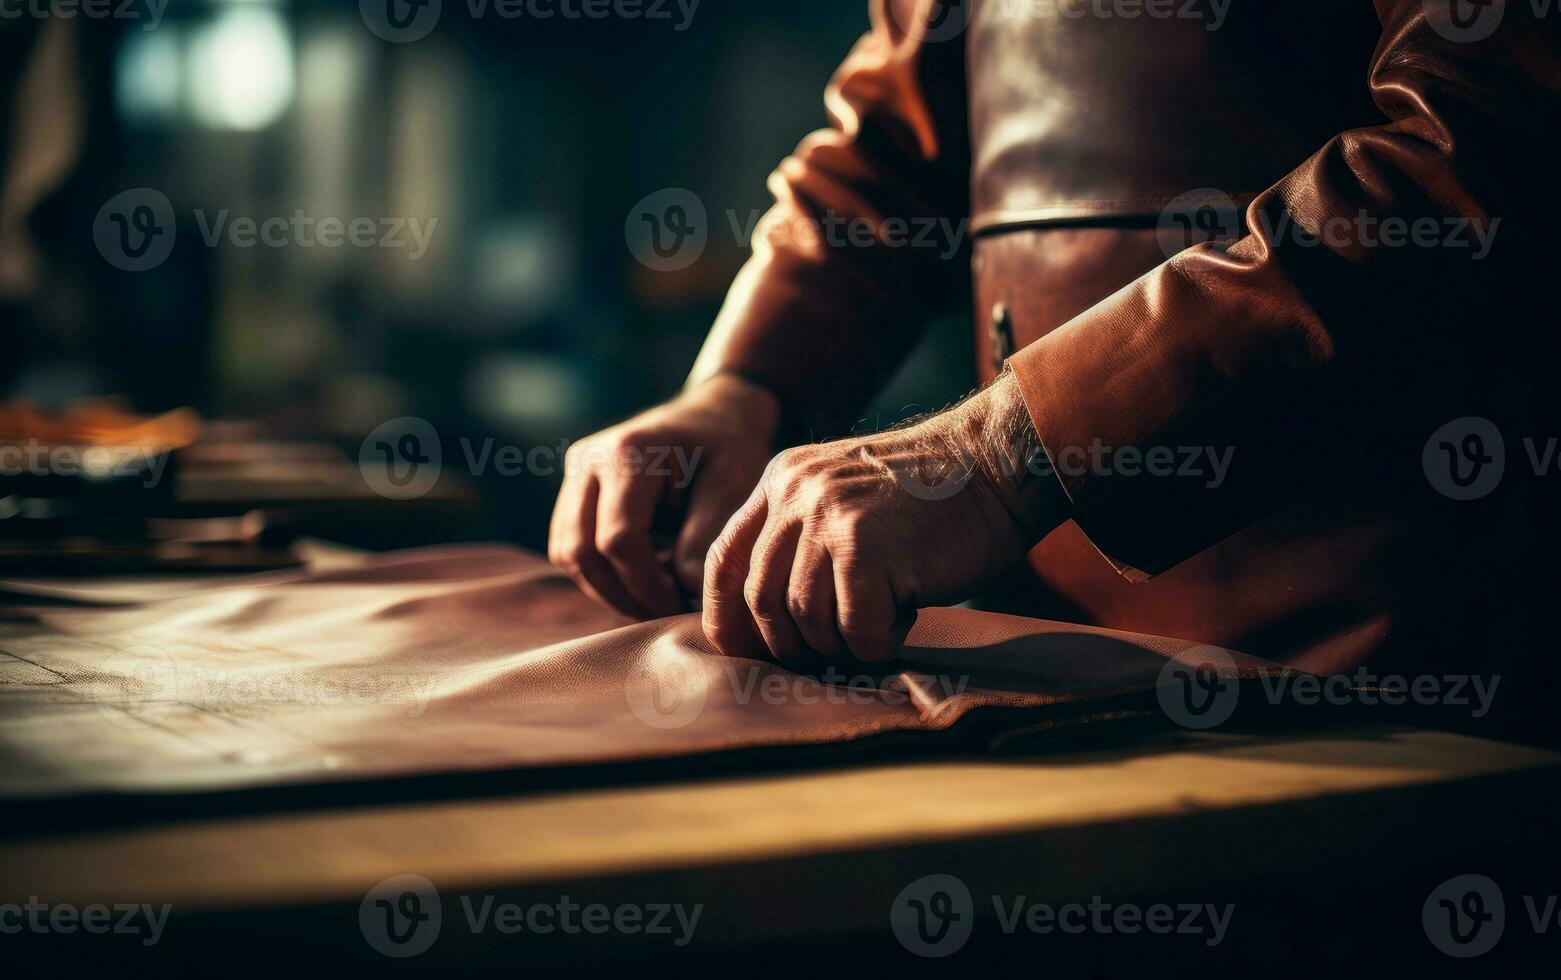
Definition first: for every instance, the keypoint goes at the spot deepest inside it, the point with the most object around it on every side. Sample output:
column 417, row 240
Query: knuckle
column 720, row 578
column 583, row 456
column 611, row 451
column 616, row 540
column 567, row 555
column 619, row 438
column 761, row 599
column 557, row 557
column 830, row 499
column 846, row 553
column 784, row 469
column 860, row 627
column 803, row 608
column 858, row 637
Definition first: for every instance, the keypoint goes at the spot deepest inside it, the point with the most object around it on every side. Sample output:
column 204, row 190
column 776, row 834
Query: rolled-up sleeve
column 1301, row 323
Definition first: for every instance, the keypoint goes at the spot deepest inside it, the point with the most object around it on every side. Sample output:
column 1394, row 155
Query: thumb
column 710, row 506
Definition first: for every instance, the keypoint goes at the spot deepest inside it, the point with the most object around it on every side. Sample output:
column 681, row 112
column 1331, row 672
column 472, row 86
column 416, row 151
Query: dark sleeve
column 836, row 291
column 1299, row 346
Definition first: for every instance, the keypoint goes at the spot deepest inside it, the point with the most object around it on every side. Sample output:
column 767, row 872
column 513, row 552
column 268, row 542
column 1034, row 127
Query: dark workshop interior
column 592, row 487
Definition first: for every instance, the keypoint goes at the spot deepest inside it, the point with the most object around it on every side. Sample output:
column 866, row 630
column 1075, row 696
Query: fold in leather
column 478, row 659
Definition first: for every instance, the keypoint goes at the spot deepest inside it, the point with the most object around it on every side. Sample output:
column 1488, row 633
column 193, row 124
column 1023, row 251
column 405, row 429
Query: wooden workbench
column 821, row 855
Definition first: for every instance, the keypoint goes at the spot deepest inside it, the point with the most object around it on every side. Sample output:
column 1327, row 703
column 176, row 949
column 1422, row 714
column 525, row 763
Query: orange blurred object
column 100, row 422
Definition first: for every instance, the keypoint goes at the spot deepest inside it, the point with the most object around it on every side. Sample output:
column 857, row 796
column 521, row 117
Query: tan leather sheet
column 476, row 659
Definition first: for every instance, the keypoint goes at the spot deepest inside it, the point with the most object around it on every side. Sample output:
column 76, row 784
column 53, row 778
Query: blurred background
column 517, row 145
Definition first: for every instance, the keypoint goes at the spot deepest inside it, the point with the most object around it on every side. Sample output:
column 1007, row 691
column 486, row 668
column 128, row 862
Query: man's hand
column 841, row 543
column 689, row 463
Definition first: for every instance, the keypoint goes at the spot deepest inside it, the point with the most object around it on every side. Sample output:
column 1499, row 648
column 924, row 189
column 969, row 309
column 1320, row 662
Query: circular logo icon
column 1464, row 916
column 400, row 917
column 932, row 21
column 135, row 230
column 400, row 21
column 933, row 916
column 1465, row 21
column 400, row 460
column 1199, row 688
column 137, row 687
column 669, row 693
column 1466, row 458
column 668, row 230
column 934, row 476
column 1204, row 215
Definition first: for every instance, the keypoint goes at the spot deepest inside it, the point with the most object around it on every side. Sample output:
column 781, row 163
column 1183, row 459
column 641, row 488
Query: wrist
column 996, row 429
column 756, row 408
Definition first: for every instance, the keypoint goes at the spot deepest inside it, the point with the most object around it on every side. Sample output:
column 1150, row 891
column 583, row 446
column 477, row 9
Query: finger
column 811, row 598
column 710, row 506
column 571, row 545
column 769, row 580
column 727, row 621
column 868, row 615
column 625, row 515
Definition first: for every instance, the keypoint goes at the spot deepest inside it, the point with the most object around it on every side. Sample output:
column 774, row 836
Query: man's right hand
column 691, row 462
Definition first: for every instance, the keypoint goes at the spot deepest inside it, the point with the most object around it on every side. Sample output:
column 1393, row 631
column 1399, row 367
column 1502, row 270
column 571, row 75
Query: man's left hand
column 840, row 544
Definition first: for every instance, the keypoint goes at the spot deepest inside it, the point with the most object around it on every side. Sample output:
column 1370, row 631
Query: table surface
column 817, row 853
column 1091, row 817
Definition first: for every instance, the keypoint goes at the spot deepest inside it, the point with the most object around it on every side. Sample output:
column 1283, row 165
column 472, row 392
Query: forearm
column 808, row 339
column 993, row 429
column 866, row 239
